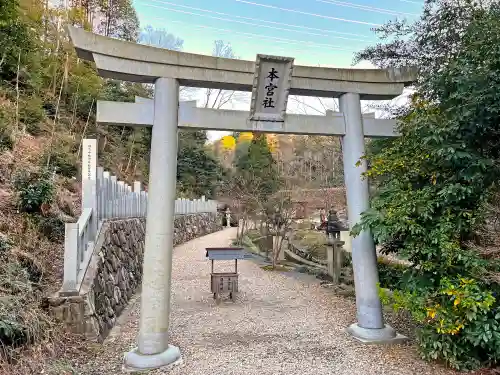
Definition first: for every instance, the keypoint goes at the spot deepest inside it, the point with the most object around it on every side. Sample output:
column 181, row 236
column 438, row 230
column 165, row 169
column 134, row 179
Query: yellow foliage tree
column 228, row 142
column 245, row 137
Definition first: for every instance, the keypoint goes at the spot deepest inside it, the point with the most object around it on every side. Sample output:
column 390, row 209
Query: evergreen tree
column 120, row 19
column 435, row 180
column 198, row 172
column 257, row 167
column 18, row 44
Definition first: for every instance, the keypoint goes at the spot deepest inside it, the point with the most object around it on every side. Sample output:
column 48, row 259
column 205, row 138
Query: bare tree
column 278, row 212
column 312, row 105
column 160, row 38
column 245, row 207
column 217, row 98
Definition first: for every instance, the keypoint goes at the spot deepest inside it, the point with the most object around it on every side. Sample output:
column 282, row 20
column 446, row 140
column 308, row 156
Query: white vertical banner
column 89, row 159
column 89, row 181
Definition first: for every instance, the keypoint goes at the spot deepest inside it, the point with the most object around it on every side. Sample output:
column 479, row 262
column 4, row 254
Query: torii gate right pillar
column 370, row 326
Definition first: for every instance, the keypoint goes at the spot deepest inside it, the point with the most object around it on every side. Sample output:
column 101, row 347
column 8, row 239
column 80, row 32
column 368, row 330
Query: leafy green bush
column 63, row 161
column 459, row 322
column 5, row 244
column 347, row 259
column 391, row 275
column 52, row 227
column 6, row 121
column 33, row 190
column 434, row 180
column 6, row 140
column 32, row 114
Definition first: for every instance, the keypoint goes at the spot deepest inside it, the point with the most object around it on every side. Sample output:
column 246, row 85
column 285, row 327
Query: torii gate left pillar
column 153, row 348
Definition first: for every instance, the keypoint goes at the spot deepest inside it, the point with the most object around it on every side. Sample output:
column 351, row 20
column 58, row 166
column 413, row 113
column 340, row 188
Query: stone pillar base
column 137, row 362
column 386, row 335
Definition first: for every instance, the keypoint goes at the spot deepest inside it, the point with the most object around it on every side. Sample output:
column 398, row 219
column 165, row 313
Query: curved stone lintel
column 118, row 59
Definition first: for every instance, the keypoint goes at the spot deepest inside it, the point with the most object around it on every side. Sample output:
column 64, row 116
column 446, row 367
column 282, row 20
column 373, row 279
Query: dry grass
column 313, row 240
column 276, row 268
column 30, row 270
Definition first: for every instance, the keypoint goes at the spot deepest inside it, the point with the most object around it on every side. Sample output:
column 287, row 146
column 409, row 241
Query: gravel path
column 278, row 325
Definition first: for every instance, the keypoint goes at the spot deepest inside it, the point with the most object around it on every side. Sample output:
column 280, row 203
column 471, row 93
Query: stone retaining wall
column 115, row 272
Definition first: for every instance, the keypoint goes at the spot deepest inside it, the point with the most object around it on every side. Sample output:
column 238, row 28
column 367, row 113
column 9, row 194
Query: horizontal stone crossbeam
column 141, row 113
column 140, row 63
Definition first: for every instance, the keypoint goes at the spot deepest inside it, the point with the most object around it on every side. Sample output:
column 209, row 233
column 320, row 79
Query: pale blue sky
column 321, row 38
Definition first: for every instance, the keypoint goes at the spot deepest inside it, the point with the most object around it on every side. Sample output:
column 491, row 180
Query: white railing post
column 121, row 190
column 126, row 201
column 137, row 198
column 101, row 187
column 71, row 261
column 106, row 195
column 131, row 204
column 113, row 196
column 144, row 203
column 137, row 186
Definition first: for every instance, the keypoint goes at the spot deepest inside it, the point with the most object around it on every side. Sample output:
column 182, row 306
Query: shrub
column 6, row 121
column 5, row 244
column 459, row 322
column 32, row 114
column 52, row 227
column 21, row 321
column 391, row 275
column 63, row 161
column 33, row 189
column 347, row 259
column 434, row 180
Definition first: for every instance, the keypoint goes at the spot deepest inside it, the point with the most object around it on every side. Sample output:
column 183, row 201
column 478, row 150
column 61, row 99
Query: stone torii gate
column 270, row 79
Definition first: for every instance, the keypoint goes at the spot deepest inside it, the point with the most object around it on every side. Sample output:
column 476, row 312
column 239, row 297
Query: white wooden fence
column 118, row 200
column 104, row 197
